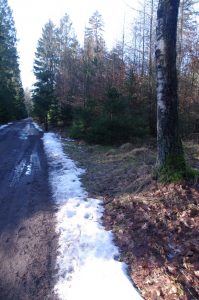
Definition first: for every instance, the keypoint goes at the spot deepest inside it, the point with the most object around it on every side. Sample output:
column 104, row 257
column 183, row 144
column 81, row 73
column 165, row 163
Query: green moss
column 175, row 169
column 192, row 173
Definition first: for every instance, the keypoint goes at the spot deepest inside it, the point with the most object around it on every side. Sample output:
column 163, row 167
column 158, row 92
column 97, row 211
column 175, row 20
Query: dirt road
column 27, row 237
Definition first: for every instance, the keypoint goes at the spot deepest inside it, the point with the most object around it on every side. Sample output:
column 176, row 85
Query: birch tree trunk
column 170, row 151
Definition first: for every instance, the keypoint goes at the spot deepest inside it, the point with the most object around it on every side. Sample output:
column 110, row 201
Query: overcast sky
column 31, row 15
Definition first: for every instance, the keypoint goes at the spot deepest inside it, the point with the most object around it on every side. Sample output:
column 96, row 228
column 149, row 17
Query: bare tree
column 170, row 152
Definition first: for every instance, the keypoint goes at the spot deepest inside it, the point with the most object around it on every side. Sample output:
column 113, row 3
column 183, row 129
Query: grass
column 145, row 215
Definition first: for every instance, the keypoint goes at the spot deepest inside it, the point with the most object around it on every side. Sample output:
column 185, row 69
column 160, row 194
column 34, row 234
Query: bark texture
column 169, row 143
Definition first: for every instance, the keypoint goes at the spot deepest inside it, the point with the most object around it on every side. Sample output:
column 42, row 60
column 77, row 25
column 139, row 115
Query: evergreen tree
column 45, row 70
column 11, row 91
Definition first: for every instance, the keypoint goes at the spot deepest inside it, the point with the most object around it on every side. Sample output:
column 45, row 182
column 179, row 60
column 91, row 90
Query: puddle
column 29, row 130
column 18, row 170
column 24, row 133
column 35, row 160
column 34, row 163
column 25, row 167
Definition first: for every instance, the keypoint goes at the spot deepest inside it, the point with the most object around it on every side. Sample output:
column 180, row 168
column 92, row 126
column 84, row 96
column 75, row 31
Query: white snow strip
column 86, row 264
column 37, row 127
column 4, row 126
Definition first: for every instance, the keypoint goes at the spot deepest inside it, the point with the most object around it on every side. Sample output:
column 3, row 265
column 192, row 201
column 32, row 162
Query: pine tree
column 45, row 70
column 11, row 91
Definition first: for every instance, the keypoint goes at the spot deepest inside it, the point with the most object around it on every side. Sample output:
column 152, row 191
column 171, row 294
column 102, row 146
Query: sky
column 31, row 15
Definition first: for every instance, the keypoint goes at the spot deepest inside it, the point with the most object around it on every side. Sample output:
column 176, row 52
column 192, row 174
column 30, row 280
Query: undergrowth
column 175, row 170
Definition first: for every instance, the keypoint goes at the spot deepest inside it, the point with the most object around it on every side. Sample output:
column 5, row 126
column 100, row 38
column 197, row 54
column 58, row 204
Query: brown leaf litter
column 156, row 226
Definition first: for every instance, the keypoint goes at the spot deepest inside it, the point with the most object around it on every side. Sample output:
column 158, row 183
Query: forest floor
column 155, row 225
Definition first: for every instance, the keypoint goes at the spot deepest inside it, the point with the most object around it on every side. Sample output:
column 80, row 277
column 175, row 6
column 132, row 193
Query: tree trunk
column 143, row 39
column 46, row 123
column 151, row 91
column 170, row 151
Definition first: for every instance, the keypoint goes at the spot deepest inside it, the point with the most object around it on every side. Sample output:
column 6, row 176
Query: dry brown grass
column 155, row 226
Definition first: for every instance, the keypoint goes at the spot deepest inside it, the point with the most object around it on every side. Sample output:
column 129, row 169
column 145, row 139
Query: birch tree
column 170, row 158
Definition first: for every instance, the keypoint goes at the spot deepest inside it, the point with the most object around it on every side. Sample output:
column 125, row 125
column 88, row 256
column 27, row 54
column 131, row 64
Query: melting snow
column 4, row 126
column 28, row 169
column 86, row 264
column 37, row 126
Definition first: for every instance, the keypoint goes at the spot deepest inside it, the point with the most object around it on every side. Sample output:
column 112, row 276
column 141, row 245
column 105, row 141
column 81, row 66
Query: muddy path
column 27, row 236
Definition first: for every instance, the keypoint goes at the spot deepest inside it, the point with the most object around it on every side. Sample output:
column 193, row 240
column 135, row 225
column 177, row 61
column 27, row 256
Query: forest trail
column 53, row 242
column 27, row 236
column 38, row 218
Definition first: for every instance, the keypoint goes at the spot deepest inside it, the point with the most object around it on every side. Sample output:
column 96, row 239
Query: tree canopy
column 109, row 95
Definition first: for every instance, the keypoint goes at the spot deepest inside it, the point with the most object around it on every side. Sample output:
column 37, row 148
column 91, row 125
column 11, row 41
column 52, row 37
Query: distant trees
column 94, row 52
column 28, row 101
column 187, row 66
column 11, row 92
column 109, row 96
column 56, row 68
column 68, row 81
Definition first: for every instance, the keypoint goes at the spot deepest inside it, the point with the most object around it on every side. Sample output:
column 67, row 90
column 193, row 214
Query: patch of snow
column 68, row 139
column 28, row 169
column 86, row 264
column 37, row 127
column 5, row 125
column 33, row 163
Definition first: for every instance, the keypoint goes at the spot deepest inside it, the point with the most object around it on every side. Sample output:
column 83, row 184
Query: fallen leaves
column 157, row 232
column 156, row 226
